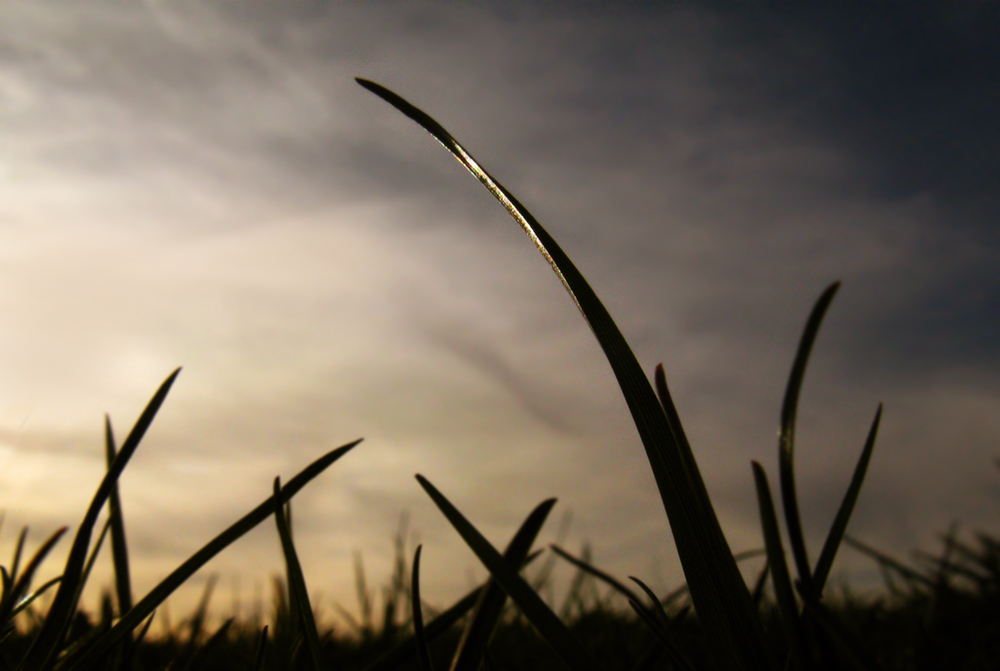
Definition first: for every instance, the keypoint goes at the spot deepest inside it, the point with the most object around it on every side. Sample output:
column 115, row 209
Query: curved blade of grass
column 486, row 615
column 41, row 655
column 786, row 442
column 839, row 527
column 296, row 580
column 890, row 563
column 758, row 588
column 211, row 644
column 88, row 567
column 655, row 600
column 779, row 569
column 677, row 658
column 119, row 548
column 423, row 652
column 597, row 573
column 15, row 563
column 20, row 587
column 439, row 625
column 258, row 663
column 159, row 593
column 551, row 628
column 720, row 595
column 34, row 595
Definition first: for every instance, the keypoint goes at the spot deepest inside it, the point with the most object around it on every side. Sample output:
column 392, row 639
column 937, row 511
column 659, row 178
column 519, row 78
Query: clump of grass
column 715, row 620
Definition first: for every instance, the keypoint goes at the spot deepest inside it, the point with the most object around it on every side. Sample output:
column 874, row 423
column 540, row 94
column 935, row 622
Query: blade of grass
column 839, row 527
column 10, row 604
column 486, row 614
column 847, row 642
column 423, row 652
column 786, row 442
column 720, row 595
column 42, row 653
column 890, row 563
column 15, row 563
column 677, row 658
column 27, row 601
column 597, row 573
column 296, row 580
column 89, row 566
column 551, row 628
column 159, row 593
column 258, row 664
column 780, row 578
column 198, row 659
column 119, row 548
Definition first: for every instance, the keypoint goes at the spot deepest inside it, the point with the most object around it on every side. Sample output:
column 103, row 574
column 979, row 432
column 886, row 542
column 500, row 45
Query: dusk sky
column 204, row 185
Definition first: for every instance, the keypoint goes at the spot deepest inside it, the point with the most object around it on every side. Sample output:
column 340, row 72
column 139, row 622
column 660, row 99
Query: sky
column 204, row 185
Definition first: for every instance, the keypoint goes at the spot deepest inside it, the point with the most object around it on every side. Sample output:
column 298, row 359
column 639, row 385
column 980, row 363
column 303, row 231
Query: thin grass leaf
column 423, row 652
column 88, row 567
column 786, row 442
column 119, row 548
column 258, row 663
column 720, row 595
column 839, row 527
column 27, row 601
column 10, row 606
column 15, row 563
column 198, row 618
column 296, row 580
column 551, row 628
column 42, row 653
column 404, row 650
column 676, row 656
column 779, row 569
column 889, row 563
column 597, row 573
column 655, row 600
column 159, row 593
column 760, row 584
column 485, row 616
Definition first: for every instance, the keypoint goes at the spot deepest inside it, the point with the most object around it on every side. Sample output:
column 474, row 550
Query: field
column 940, row 613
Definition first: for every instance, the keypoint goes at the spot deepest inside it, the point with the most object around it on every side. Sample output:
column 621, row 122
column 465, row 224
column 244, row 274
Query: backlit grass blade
column 89, row 566
column 296, row 580
column 423, row 652
column 551, row 628
column 717, row 588
column 119, row 548
column 42, row 653
column 660, row 629
column 839, row 526
column 783, row 591
column 199, row 617
column 159, row 593
column 198, row 660
column 20, row 587
column 890, row 563
column 37, row 593
column 486, row 615
column 15, row 564
column 786, row 443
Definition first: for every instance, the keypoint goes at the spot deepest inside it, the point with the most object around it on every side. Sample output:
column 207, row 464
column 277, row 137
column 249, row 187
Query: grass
column 943, row 610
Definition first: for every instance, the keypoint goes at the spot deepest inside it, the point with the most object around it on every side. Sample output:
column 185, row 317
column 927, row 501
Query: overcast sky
column 204, row 185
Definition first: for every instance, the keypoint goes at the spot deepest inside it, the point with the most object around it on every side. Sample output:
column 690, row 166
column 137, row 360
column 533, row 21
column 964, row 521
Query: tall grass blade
column 119, row 548
column 551, row 628
column 296, row 580
column 890, row 563
column 718, row 590
column 41, row 655
column 199, row 616
column 15, row 563
column 89, row 566
column 10, row 607
column 786, row 442
column 839, row 527
column 780, row 578
column 159, row 593
column 677, row 658
column 423, row 652
column 486, row 615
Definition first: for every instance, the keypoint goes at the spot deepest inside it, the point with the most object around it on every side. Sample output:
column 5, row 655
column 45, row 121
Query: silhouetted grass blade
column 717, row 588
column 423, row 652
column 486, row 615
column 296, row 580
column 258, row 663
column 41, row 655
column 783, row 591
column 20, row 585
column 156, row 596
column 119, row 548
column 15, row 564
column 839, row 527
column 659, row 628
column 538, row 613
column 849, row 644
column 786, row 442
column 27, row 601
column 203, row 651
column 597, row 573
